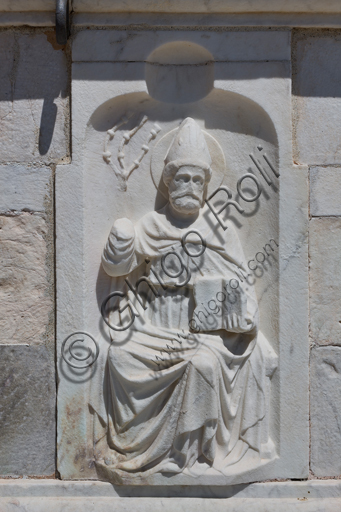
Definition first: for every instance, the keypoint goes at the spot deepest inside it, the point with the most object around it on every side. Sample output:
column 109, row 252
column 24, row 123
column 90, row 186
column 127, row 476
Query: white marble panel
column 247, row 112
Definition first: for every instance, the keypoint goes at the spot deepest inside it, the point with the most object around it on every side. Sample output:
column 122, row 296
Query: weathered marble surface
column 27, row 415
column 299, row 490
column 25, row 290
column 102, row 92
column 135, row 46
column 28, row 371
column 25, row 188
column 325, row 411
column 28, row 5
column 169, row 505
column 219, row 6
column 208, row 438
column 325, row 191
column 317, row 99
column 325, row 280
column 27, row 411
column 33, row 103
column 33, row 496
column 203, row 6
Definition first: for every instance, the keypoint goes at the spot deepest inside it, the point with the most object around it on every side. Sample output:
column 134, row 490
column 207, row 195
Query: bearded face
column 186, row 189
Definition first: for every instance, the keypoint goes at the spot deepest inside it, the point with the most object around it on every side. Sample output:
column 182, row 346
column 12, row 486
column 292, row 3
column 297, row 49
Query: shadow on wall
column 33, row 67
column 316, row 63
column 221, row 110
column 180, row 72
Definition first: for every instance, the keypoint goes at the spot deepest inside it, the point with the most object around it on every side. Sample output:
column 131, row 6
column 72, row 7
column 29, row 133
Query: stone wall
column 35, row 128
column 35, row 136
column 316, row 107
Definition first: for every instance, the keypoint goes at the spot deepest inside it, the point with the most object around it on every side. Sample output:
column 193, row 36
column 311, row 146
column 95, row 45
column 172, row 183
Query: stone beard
column 186, row 386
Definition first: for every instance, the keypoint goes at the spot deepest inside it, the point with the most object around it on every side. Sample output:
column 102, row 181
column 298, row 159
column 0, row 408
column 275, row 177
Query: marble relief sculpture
column 187, row 385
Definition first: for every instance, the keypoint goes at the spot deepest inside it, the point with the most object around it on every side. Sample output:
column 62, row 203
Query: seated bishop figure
column 187, row 384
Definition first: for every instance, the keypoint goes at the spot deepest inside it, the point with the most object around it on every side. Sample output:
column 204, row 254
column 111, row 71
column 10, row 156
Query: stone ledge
column 30, row 19
column 180, row 6
column 204, row 6
column 148, row 20
column 223, row 21
column 265, row 492
column 27, row 5
column 168, row 505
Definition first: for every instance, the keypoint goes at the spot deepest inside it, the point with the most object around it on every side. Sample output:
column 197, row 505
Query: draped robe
column 182, row 396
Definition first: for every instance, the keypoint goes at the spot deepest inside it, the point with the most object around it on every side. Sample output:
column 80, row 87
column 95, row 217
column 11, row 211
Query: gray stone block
column 27, row 411
column 24, row 188
column 33, row 98
column 325, row 280
column 325, row 191
column 316, row 85
column 326, row 411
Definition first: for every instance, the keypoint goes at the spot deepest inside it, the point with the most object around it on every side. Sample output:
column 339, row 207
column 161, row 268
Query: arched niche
column 240, row 125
